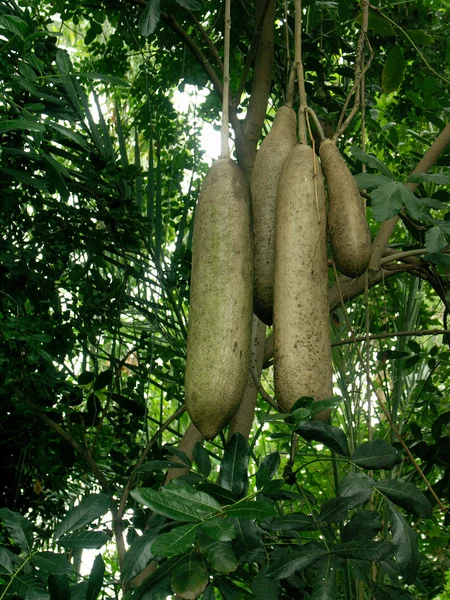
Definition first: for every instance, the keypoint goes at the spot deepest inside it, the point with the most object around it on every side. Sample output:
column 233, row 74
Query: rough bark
column 243, row 420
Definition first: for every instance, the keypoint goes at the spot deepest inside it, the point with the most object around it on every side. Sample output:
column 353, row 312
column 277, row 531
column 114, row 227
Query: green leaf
column 182, row 456
column 438, row 178
column 433, row 203
column 21, row 124
column 29, row 587
column 435, row 240
column 86, row 377
column 74, row 137
column 177, row 502
column 90, row 508
column 247, row 544
column 189, row 578
column 332, row 437
column 8, row 560
column 219, row 529
column 209, row 593
column 59, row 587
column 293, row 522
column 19, row 528
column 149, row 18
column 190, row 4
column 387, row 201
column 376, row 454
column 103, row 379
column 265, row 588
column 117, row 81
column 355, row 483
column 407, row 553
column 389, row 592
column 393, row 70
column 63, row 62
column 95, row 580
column 439, row 259
column 378, row 24
column 322, row 405
column 267, row 469
column 138, row 555
column 336, row 509
column 324, row 585
column 365, row 550
column 220, row 555
column 364, row 524
column 92, row 540
column 202, row 460
column 371, row 161
column 50, row 562
column 297, row 560
column 233, row 469
column 251, row 510
column 159, row 465
column 218, row 492
column 419, row 36
column 405, row 495
column 160, row 579
column 177, row 541
column 370, row 181
column 228, row 589
column 413, row 205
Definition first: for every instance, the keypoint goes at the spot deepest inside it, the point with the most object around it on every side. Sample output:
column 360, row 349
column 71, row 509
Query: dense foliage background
column 100, row 174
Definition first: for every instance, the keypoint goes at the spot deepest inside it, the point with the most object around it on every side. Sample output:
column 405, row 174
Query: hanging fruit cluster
column 290, row 282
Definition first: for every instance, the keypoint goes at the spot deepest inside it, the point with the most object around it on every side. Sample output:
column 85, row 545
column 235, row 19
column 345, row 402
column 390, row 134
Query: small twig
column 383, row 406
column 300, row 73
column 263, row 392
column 382, row 336
column 70, row 440
column 405, row 33
column 151, row 443
column 315, row 118
column 423, row 166
column 224, row 134
column 291, row 87
column 359, row 71
column 206, row 38
column 251, row 54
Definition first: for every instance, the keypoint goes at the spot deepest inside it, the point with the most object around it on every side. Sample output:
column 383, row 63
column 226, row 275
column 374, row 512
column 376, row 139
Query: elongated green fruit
column 220, row 318
column 347, row 223
column 265, row 177
column 302, row 348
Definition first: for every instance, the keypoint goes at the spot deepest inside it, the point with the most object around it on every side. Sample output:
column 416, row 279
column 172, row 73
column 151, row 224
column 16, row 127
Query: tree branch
column 248, row 132
column 206, row 38
column 151, row 443
column 387, row 228
column 251, row 54
column 190, row 44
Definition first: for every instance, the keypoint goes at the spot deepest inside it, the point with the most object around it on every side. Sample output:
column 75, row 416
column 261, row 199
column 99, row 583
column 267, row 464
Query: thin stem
column 225, row 149
column 359, row 74
column 291, row 88
column 251, row 53
column 423, row 166
column 386, row 412
column 405, row 33
column 206, row 38
column 300, row 74
column 383, row 336
column 151, row 443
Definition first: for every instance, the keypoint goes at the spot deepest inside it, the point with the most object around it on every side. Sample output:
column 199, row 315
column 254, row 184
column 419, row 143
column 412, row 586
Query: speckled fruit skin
column 265, row 177
column 302, row 348
column 347, row 224
column 220, row 317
